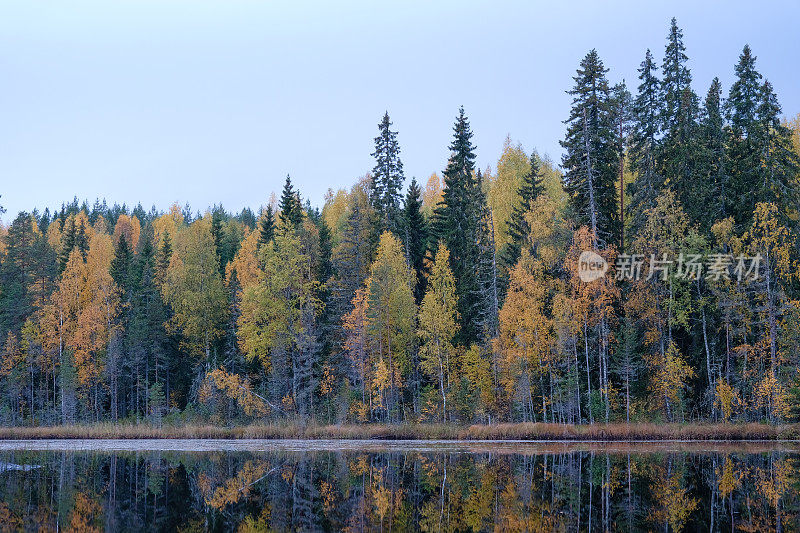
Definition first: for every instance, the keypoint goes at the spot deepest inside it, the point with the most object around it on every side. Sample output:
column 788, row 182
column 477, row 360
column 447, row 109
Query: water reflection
column 376, row 487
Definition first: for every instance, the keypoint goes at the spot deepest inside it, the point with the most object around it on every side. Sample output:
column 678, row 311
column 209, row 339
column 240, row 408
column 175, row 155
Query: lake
column 242, row 485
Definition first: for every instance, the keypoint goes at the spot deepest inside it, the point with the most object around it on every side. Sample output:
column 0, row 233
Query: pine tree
column 415, row 236
column 387, row 177
column 518, row 228
column 591, row 161
column 456, row 222
column 266, row 227
column 291, row 210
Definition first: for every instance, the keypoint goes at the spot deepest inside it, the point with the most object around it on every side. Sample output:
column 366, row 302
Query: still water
column 240, row 485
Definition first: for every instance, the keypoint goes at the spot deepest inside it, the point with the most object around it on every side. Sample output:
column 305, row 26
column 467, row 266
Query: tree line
column 458, row 301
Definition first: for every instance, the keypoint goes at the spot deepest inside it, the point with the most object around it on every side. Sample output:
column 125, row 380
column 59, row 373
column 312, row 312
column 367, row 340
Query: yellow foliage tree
column 193, row 288
column 80, row 316
column 235, row 387
column 432, row 194
column 526, row 334
column 512, row 167
column 671, row 379
column 726, row 398
column 130, row 228
column 438, row 325
column 391, row 317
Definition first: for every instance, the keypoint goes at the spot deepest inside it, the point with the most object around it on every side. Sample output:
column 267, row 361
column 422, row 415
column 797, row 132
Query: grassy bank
column 526, row 431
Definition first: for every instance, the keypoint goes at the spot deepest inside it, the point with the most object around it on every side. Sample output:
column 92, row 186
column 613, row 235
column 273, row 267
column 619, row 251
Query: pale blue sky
column 205, row 102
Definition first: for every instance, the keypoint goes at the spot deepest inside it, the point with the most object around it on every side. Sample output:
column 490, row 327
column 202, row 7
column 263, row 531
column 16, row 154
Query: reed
column 518, row 431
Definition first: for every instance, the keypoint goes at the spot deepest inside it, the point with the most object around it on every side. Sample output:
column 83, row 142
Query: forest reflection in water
column 375, row 486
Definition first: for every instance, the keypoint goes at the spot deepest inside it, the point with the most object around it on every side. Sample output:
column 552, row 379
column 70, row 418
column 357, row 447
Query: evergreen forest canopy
column 458, row 301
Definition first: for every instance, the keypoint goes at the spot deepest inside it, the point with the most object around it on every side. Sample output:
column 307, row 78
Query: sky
column 158, row 101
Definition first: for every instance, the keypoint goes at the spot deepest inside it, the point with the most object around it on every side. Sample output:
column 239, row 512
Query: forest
column 458, row 300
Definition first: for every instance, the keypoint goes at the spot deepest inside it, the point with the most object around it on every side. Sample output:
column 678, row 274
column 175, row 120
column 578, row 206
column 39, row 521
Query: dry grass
column 632, row 432
column 521, row 431
column 261, row 431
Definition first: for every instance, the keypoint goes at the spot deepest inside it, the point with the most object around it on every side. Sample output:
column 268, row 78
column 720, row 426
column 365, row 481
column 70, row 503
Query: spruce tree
column 82, row 240
column 122, row 352
column 518, row 228
column 121, row 265
column 591, row 161
column 163, row 258
column 140, row 213
column 266, row 227
column 290, row 206
column 456, row 222
column 677, row 154
column 488, row 291
column 247, row 218
column 146, row 333
column 217, row 217
column 677, row 77
column 323, row 272
column 710, row 201
column 743, row 98
column 44, row 220
column 67, row 242
column 780, row 164
column 415, row 236
column 352, row 256
column 621, row 105
column 680, row 155
column 743, row 157
column 387, row 177
column 26, row 271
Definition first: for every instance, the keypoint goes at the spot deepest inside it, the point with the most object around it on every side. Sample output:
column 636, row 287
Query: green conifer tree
column 415, row 236
column 290, row 206
column 387, row 177
column 591, row 162
column 266, row 227
column 456, row 222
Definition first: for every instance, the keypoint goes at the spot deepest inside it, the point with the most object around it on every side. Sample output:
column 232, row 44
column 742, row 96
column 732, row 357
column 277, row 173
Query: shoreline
column 300, row 446
column 541, row 432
